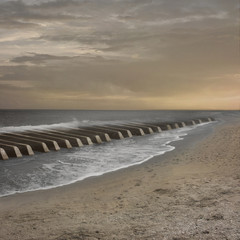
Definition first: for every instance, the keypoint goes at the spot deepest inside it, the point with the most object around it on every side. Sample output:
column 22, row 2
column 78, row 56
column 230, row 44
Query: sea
column 54, row 169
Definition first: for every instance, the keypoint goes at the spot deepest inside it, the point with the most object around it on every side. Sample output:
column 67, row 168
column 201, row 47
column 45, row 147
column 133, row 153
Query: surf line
column 18, row 143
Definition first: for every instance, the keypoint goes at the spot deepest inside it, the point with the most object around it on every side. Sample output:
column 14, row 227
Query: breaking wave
column 73, row 124
column 54, row 169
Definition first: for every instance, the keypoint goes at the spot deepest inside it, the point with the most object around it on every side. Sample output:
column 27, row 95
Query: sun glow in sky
column 119, row 54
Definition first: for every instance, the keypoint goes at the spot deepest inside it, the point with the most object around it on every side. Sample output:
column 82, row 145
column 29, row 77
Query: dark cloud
column 90, row 51
column 9, row 23
column 140, row 27
column 18, row 14
column 57, row 4
column 39, row 58
column 134, row 79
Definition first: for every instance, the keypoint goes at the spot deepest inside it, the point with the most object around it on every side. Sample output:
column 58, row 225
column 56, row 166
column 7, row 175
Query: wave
column 74, row 123
column 35, row 187
column 70, row 167
column 55, row 169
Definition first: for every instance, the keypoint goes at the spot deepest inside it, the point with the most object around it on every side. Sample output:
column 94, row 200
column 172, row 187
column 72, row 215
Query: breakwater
column 17, row 144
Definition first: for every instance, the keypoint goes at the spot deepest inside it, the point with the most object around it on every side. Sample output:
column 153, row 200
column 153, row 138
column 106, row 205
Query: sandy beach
column 190, row 193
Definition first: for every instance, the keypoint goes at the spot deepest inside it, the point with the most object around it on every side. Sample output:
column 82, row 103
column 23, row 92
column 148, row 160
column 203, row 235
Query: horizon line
column 65, row 109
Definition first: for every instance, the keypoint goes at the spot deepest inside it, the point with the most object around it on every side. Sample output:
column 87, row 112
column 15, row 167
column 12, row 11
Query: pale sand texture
column 190, row 193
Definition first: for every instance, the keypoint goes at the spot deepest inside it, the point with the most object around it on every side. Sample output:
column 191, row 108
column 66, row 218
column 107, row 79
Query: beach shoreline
column 167, row 197
column 162, row 149
column 189, row 138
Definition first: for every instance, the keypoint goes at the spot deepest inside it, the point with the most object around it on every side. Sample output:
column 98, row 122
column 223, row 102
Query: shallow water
column 66, row 166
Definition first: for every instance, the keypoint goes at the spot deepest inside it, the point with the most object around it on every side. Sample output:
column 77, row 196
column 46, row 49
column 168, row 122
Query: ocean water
column 48, row 170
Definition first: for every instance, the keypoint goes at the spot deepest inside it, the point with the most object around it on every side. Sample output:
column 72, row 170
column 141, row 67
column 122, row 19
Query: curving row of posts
column 17, row 144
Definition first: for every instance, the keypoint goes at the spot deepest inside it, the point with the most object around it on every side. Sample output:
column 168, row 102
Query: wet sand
column 190, row 193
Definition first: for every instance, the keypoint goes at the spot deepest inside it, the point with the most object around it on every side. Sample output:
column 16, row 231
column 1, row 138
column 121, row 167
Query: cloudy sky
column 119, row 54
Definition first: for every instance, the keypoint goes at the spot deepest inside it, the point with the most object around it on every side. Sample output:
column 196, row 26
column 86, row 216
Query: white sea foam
column 45, row 171
column 74, row 123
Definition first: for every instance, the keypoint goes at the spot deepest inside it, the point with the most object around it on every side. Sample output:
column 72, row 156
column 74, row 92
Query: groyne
column 17, row 144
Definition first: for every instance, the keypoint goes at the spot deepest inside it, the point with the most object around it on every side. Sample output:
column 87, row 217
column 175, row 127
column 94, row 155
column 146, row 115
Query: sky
column 119, row 54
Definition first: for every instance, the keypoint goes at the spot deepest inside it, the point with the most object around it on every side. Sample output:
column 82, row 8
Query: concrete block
column 3, row 154
column 36, row 143
column 145, row 128
column 125, row 132
column 193, row 122
column 183, row 124
column 25, row 149
column 136, row 131
column 12, row 151
column 112, row 133
column 103, row 136
column 64, row 143
column 73, row 133
column 92, row 136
